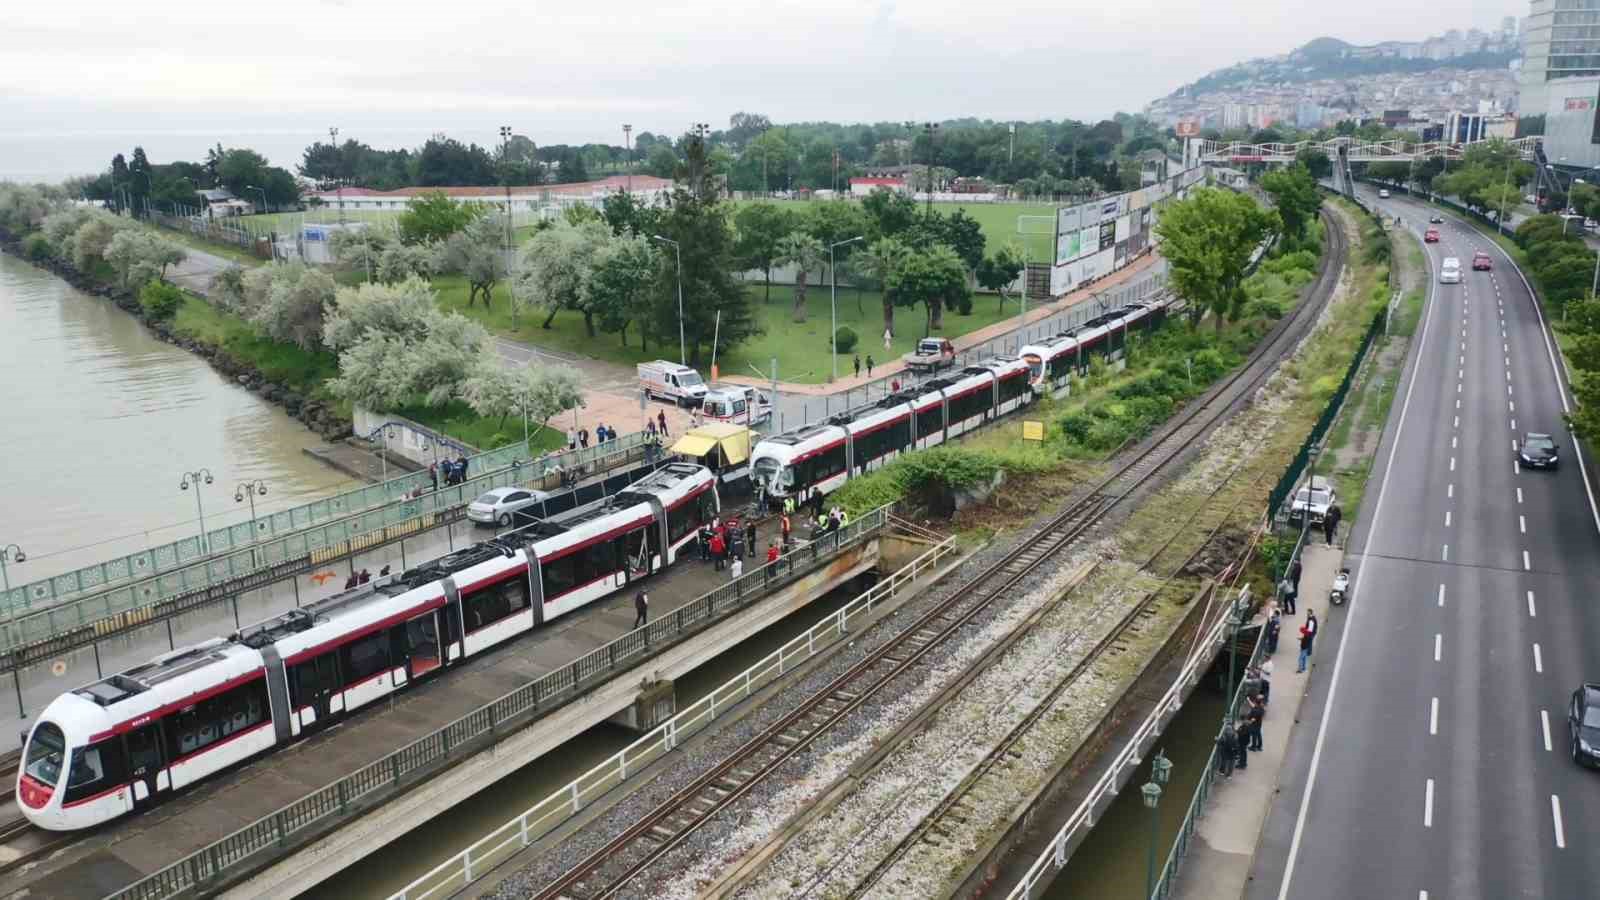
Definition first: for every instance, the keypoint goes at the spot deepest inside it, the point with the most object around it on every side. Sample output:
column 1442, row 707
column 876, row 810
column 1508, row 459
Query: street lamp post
column 1505, row 189
column 627, row 148
column 505, row 177
column 10, row 553
column 677, row 251
column 247, row 490
column 196, row 478
column 1160, row 772
column 338, row 183
column 833, row 301
column 931, row 129
column 1235, row 622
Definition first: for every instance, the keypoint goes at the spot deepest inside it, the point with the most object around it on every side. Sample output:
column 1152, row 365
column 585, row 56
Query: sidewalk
column 1003, row 328
column 1224, row 843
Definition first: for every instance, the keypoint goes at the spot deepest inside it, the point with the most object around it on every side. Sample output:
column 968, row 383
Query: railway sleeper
column 660, row 833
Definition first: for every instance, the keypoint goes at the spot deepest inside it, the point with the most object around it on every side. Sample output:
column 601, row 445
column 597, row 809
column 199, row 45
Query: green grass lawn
column 486, row 433
column 999, row 221
column 231, row 252
column 802, row 349
column 303, row 371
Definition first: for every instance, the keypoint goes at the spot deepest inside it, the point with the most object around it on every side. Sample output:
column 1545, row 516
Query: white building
column 528, row 198
column 1557, row 45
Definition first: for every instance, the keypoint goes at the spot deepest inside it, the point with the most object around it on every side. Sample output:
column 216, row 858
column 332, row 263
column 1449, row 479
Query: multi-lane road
column 1433, row 759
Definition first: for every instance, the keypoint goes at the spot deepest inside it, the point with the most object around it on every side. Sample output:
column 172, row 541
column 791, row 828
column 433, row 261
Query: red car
column 1431, row 236
column 1481, row 262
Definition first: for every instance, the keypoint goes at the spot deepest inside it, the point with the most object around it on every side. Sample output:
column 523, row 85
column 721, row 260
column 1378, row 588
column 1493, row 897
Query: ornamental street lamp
column 1160, row 772
column 833, row 300
column 677, row 250
column 11, row 553
column 247, row 490
column 196, row 477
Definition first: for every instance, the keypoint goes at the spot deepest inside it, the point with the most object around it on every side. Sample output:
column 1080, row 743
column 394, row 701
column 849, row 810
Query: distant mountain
column 1328, row 57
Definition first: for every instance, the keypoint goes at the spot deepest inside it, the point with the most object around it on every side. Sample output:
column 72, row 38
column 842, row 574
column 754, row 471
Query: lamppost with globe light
column 10, row 553
column 1160, row 772
column 195, row 478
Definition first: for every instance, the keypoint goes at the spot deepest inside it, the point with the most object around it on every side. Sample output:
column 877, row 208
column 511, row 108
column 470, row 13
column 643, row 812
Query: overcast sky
column 391, row 71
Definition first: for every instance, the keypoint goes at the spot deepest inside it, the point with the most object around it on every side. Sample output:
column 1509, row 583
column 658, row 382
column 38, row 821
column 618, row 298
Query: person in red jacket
column 719, row 547
column 772, row 551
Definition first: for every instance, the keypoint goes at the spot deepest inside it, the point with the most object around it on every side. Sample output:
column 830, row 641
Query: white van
column 737, row 405
column 670, row 381
column 1450, row 271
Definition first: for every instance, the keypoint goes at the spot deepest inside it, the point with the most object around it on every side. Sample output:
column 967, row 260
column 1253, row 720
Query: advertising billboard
column 1108, row 233
column 1188, row 128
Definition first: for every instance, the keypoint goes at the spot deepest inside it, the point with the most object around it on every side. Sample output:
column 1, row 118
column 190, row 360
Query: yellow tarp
column 733, row 439
column 693, row 445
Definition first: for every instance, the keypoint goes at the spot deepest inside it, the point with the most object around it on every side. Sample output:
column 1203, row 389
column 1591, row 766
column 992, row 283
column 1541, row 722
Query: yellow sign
column 1032, row 431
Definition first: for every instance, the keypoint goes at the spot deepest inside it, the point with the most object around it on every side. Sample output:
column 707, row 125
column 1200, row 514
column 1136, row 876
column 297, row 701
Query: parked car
column 1431, row 236
column 1314, row 500
column 1481, row 262
column 1450, row 271
column 1583, row 721
column 1383, row 193
column 1436, row 219
column 496, row 506
column 738, row 404
column 1539, row 451
column 1530, row 199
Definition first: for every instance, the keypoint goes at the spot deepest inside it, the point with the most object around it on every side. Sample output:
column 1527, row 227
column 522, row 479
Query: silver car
column 496, row 506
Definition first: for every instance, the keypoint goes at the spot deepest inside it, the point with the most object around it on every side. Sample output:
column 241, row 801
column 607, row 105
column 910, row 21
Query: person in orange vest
column 784, row 524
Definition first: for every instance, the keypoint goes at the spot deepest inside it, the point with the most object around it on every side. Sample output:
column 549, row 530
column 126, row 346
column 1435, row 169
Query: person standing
column 641, row 609
column 583, row 437
column 1258, row 712
column 772, row 552
column 784, row 527
column 869, row 365
column 1227, row 751
column 1330, row 522
column 433, row 473
column 1241, row 733
column 1265, row 673
column 718, row 547
column 1286, row 592
column 661, row 423
column 1274, row 629
column 858, row 365
column 735, row 569
column 816, row 502
column 750, row 538
column 1294, row 574
column 572, row 438
column 1306, row 637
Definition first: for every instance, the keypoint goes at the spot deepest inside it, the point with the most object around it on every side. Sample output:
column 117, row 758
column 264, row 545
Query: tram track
column 607, row 870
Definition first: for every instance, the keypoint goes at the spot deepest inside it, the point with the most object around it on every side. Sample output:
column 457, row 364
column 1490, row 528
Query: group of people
column 362, row 577
column 453, row 470
column 579, row 437
column 1242, row 734
column 870, row 364
column 723, row 542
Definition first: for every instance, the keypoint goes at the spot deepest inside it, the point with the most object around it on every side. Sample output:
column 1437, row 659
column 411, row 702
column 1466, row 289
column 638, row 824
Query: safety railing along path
column 256, row 533
column 136, row 600
column 465, row 736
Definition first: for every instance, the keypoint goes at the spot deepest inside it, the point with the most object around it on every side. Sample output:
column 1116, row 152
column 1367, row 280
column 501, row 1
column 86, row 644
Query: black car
column 1583, row 719
column 1539, row 451
column 1436, row 219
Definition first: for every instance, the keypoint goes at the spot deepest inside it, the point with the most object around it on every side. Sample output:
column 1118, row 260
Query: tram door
column 317, row 680
column 420, row 647
column 144, row 763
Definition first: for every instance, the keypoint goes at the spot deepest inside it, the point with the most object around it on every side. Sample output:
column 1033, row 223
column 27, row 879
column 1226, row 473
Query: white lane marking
column 1544, row 721
column 1463, row 345
column 1438, row 647
column 1446, row 552
column 1508, row 365
column 1452, row 442
column 1462, row 361
column 1508, row 374
column 1516, row 467
column 1519, row 495
column 1447, row 518
column 1508, row 390
column 1513, row 445
column 1450, row 490
column 1532, row 614
column 1461, row 373
column 1555, row 816
column 1506, row 348
column 1512, row 404
column 1527, row 566
column 1441, row 595
column 1522, row 524
column 1338, row 658
column 1422, row 895
column 1433, row 717
column 1427, row 807
column 1538, row 659
column 1458, row 387
column 1513, row 424
column 1452, row 463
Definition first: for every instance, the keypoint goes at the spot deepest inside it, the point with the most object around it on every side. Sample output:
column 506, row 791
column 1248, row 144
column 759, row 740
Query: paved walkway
column 1218, row 864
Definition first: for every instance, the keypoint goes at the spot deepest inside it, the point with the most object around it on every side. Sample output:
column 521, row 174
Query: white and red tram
column 121, row 743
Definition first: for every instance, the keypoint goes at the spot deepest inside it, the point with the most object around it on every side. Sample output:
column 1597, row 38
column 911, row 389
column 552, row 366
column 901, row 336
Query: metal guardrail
column 169, row 558
column 316, row 542
column 1055, row 854
column 555, row 810
column 409, row 764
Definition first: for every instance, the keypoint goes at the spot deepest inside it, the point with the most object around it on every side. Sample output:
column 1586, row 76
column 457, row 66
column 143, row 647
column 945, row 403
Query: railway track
column 606, row 871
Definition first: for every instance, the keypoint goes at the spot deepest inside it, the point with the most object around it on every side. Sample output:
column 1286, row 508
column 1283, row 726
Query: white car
column 1450, row 271
column 496, row 506
column 1383, row 194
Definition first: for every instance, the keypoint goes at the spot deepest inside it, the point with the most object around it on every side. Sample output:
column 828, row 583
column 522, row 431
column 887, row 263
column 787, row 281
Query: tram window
column 493, row 603
column 144, row 748
column 602, row 558
column 1012, row 388
column 367, row 657
column 560, row 576
column 214, row 718
column 930, row 421
column 686, row 517
column 86, row 768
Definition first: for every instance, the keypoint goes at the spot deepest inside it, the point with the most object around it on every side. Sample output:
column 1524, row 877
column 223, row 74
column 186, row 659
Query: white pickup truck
column 1313, row 500
column 932, row 354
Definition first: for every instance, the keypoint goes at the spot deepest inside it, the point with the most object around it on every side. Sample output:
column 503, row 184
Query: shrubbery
column 37, row 247
column 845, row 339
column 160, row 300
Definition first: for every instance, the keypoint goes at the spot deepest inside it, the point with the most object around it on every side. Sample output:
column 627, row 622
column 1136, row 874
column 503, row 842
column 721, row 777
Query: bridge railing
column 192, row 551
column 25, row 627
column 358, row 791
column 1055, row 854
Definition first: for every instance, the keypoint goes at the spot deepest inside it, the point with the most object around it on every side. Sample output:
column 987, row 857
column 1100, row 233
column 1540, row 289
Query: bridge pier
column 656, row 703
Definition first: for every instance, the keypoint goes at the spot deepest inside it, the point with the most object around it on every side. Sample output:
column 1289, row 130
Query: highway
column 1433, row 755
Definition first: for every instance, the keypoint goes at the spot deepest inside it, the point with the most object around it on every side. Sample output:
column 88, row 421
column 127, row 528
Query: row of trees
column 1489, row 176
column 1208, row 239
column 137, row 183
column 443, row 161
column 88, row 239
column 1563, row 266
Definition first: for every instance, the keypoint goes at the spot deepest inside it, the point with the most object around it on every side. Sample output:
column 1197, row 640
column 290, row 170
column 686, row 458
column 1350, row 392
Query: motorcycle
column 1341, row 588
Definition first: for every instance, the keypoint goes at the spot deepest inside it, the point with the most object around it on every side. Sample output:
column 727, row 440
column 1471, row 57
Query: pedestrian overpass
column 1199, row 151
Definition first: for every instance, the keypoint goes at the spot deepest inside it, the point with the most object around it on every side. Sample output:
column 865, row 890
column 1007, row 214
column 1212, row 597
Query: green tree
column 964, row 235
column 554, row 268
column 619, row 286
column 662, row 162
column 160, row 301
column 581, row 213
column 934, row 277
column 881, row 262
column 699, row 223
column 626, row 214
column 477, row 252
column 1294, row 193
column 1316, row 162
column 890, row 213
column 760, row 228
column 286, row 301
column 999, row 270
column 403, row 311
column 1541, row 229
column 1207, row 239
column 433, row 216
column 805, row 253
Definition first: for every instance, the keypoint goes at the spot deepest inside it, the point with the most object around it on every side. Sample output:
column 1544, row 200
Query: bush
column 37, row 247
column 845, row 339
column 160, row 300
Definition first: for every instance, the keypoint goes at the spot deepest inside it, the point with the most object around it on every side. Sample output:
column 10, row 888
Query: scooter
column 1341, row 588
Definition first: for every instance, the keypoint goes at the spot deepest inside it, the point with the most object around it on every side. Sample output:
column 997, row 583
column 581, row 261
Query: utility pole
column 338, row 182
column 932, row 130
column 505, row 178
column 1011, row 155
column 765, row 191
column 627, row 149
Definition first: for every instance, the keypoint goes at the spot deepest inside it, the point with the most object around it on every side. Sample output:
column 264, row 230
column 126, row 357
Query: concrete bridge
column 1199, row 151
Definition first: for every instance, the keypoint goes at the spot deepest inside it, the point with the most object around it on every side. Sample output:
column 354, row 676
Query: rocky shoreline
column 317, row 415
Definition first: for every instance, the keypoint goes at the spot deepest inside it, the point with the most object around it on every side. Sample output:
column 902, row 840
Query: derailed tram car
column 122, row 743
column 825, row 455
column 1053, row 361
